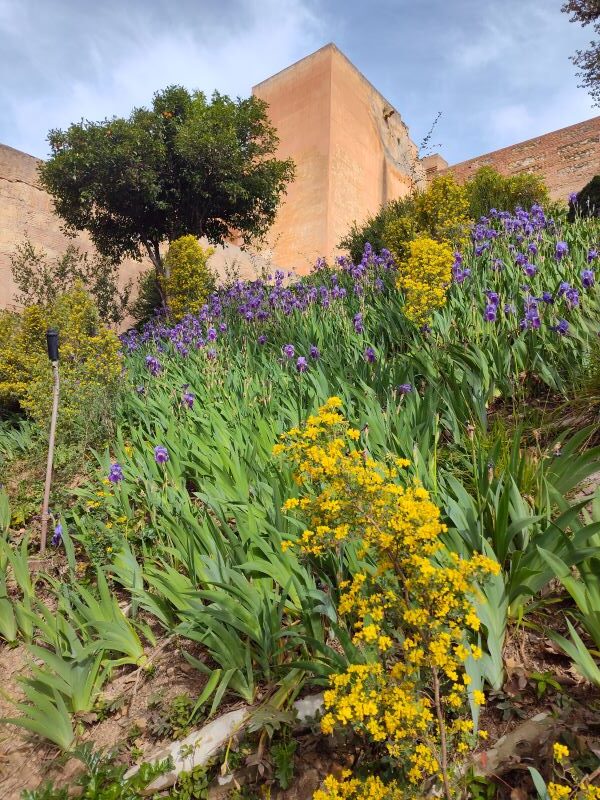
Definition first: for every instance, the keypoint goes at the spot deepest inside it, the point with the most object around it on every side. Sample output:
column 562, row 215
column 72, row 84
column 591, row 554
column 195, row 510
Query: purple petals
column 115, row 473
column 161, row 454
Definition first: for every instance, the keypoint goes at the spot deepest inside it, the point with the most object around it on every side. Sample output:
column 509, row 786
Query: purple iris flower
column 153, row 365
column 532, row 248
column 369, row 355
column 492, row 297
column 572, row 297
column 587, row 278
column 592, row 254
column 509, row 308
column 187, row 399
column 562, row 327
column 358, row 323
column 562, row 248
column 211, row 354
column 301, row 364
column 161, row 454
column 211, row 334
column 573, row 197
column 314, row 352
column 223, row 327
column 564, row 288
column 547, row 297
column 262, row 339
column 58, row 532
column 490, row 312
column 115, row 473
column 141, row 390
column 530, row 269
column 288, row 350
column 404, row 388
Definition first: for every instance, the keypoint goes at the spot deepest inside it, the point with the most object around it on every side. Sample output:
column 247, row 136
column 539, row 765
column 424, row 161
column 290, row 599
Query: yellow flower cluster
column 411, row 613
column 90, row 360
column 424, row 278
column 560, row 751
column 188, row 280
column 585, row 791
column 349, row 788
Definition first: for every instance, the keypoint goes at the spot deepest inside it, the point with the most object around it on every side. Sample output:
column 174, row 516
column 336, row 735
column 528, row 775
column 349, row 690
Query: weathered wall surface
column 567, row 158
column 372, row 158
column 26, row 211
column 351, row 148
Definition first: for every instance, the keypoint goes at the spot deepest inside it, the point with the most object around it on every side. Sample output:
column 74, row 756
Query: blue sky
column 498, row 70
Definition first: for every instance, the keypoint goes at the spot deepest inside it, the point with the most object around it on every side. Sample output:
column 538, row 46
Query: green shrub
column 40, row 281
column 148, row 298
column 587, row 203
column 488, row 189
column 441, row 213
column 188, row 280
column 90, row 364
column 372, row 229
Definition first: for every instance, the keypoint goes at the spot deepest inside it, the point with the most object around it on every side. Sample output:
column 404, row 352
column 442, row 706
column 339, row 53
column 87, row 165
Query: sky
column 497, row 70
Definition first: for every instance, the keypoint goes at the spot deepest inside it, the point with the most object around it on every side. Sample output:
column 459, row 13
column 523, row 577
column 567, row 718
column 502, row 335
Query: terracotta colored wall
column 299, row 101
column 567, row 158
column 351, row 148
column 372, row 158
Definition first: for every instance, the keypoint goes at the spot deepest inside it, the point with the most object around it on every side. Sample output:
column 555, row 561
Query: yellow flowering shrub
column 349, row 788
column 441, row 213
column 188, row 280
column 424, row 277
column 90, row 361
column 411, row 614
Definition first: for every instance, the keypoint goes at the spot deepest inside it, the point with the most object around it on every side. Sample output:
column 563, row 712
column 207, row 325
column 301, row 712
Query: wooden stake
column 45, row 515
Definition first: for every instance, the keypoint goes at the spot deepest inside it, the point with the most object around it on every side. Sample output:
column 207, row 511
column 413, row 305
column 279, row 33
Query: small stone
column 141, row 723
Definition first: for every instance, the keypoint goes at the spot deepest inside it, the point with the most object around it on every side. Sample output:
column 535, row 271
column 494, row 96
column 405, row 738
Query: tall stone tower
column 352, row 152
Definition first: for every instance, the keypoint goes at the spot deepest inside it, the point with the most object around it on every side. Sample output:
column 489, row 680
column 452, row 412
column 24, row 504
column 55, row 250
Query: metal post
column 52, row 342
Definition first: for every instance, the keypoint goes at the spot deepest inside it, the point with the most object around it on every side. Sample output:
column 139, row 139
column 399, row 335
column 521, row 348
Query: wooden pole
column 48, row 483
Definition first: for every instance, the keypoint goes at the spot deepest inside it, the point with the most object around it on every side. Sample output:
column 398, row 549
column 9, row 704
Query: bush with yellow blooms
column 90, row 362
column 411, row 610
column 424, row 278
column 188, row 280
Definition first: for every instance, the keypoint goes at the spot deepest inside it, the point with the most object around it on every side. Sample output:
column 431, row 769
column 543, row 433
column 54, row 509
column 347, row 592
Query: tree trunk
column 153, row 250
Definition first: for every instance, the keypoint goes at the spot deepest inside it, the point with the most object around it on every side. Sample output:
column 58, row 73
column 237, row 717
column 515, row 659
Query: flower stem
column 442, row 727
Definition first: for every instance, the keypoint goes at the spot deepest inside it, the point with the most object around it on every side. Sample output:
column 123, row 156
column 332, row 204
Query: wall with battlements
column 567, row 159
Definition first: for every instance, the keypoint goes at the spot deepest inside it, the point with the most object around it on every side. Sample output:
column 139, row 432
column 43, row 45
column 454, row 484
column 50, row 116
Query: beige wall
column 299, row 101
column 351, row 148
column 372, row 158
column 26, row 211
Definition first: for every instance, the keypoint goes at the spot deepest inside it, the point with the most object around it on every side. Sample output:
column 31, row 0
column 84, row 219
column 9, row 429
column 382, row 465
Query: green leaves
column 186, row 166
column 45, row 714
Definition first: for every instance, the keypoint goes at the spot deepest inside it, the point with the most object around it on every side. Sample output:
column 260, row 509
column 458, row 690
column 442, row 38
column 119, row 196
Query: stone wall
column 351, row 148
column 567, row 158
column 26, row 210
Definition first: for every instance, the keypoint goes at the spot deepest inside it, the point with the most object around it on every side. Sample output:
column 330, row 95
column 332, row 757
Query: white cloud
column 122, row 66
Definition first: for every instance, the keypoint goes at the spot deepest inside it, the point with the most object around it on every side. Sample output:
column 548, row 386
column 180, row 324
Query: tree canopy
column 188, row 165
column 587, row 12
